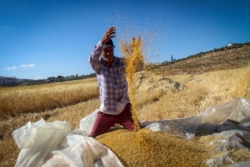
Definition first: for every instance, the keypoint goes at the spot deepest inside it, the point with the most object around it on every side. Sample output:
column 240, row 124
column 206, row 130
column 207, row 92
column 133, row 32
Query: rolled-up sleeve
column 94, row 57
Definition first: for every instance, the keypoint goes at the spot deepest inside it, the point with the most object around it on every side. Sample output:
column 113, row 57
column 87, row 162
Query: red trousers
column 105, row 121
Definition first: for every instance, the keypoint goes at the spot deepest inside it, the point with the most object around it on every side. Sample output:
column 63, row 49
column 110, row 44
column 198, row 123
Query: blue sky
column 44, row 38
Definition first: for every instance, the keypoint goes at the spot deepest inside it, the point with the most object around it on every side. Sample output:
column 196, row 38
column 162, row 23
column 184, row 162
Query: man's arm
column 96, row 53
column 94, row 57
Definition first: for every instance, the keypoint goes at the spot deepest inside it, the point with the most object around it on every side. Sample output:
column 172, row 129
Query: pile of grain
column 147, row 148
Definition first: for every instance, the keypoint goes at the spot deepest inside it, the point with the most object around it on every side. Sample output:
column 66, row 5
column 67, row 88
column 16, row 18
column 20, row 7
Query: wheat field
column 73, row 100
column 35, row 98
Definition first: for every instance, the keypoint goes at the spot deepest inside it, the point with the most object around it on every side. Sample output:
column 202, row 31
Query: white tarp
column 54, row 144
column 37, row 140
column 87, row 122
column 83, row 151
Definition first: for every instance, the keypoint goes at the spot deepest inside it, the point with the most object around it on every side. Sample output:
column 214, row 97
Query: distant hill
column 12, row 81
column 228, row 57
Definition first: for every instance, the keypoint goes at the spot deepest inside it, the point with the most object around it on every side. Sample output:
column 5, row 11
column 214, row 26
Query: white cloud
column 27, row 65
column 10, row 68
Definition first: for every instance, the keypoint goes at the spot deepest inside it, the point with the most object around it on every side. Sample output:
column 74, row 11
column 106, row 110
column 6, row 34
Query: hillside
column 232, row 57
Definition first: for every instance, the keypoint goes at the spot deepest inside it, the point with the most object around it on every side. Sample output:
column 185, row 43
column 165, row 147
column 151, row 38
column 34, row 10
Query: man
column 115, row 104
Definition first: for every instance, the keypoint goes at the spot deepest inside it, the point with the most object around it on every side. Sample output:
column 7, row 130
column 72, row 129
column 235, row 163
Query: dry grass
column 204, row 90
column 174, row 105
column 242, row 84
column 8, row 153
column 30, row 99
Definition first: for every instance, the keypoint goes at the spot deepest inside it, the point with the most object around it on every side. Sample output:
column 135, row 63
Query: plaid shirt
column 112, row 81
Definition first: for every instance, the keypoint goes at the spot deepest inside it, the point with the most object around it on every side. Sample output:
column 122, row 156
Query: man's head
column 108, row 51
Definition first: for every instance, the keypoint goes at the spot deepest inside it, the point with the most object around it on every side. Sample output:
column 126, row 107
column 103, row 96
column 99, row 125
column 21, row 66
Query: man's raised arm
column 97, row 51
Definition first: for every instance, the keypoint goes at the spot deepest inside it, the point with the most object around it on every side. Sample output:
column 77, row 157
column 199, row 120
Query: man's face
column 108, row 54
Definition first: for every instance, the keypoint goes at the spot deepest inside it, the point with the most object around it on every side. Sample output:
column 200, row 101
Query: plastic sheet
column 37, row 140
column 54, row 144
column 83, row 152
column 87, row 122
column 219, row 160
column 228, row 116
column 241, row 164
column 183, row 127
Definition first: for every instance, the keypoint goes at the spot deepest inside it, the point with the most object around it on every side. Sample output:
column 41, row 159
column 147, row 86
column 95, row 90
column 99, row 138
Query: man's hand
column 110, row 33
